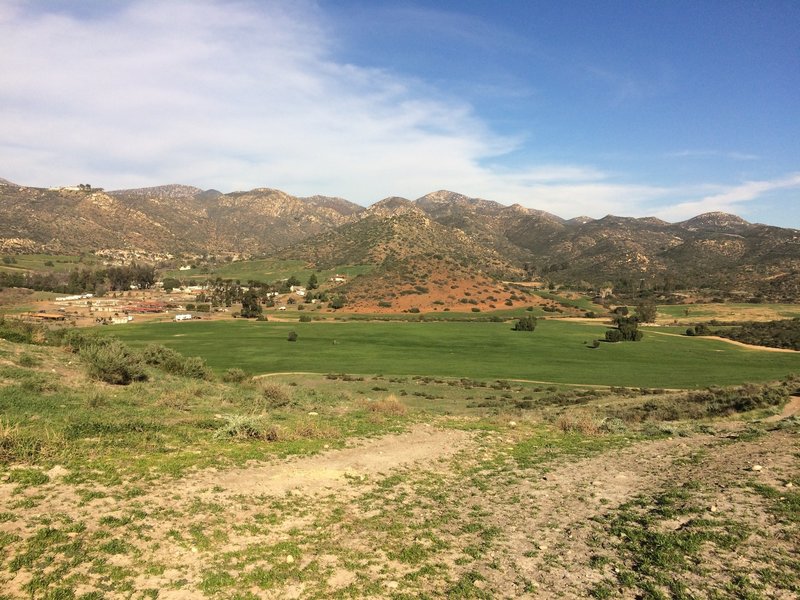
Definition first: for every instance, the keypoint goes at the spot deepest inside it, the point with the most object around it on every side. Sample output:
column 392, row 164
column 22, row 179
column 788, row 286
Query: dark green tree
column 251, row 307
column 313, row 283
column 646, row 311
column 170, row 283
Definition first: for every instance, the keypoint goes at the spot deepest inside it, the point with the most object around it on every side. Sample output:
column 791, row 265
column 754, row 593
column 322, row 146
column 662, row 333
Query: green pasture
column 48, row 263
column 266, row 269
column 556, row 352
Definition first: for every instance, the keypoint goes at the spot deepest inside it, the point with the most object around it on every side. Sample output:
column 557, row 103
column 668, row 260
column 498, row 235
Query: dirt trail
column 792, row 408
column 423, row 445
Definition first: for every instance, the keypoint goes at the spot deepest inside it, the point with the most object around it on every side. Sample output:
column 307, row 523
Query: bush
column 275, row 395
column 305, row 318
column 613, row 335
column 578, row 423
column 113, row 363
column 527, row 323
column 196, row 368
column 176, row 363
column 292, row 337
column 234, row 375
column 248, row 427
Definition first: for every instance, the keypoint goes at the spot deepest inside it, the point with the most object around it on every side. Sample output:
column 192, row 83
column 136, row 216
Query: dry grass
column 388, row 406
column 579, row 422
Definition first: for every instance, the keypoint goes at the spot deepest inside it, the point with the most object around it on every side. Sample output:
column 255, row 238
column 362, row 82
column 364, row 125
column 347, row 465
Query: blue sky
column 580, row 108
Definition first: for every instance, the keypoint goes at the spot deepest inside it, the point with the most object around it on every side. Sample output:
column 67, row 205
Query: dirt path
column 422, row 446
column 792, row 408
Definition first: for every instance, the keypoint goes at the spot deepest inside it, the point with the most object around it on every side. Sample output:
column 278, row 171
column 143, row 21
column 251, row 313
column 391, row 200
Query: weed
column 27, row 477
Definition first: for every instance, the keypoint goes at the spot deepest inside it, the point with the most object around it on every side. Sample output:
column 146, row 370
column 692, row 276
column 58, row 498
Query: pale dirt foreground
column 368, row 520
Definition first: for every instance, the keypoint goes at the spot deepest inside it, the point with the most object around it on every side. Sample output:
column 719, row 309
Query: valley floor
column 445, row 508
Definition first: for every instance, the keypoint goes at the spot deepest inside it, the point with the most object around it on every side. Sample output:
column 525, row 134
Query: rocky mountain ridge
column 713, row 249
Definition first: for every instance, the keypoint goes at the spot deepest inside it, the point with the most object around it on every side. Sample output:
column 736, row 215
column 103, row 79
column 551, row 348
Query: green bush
column 234, row 376
column 113, row 362
column 176, row 363
column 305, row 318
column 196, row 368
column 527, row 323
column 292, row 337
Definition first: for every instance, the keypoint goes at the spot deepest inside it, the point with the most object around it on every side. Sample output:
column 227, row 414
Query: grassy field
column 555, row 352
column 48, row 263
column 396, row 487
column 266, row 269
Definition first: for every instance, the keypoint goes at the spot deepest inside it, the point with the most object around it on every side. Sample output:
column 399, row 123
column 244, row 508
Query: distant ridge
column 713, row 250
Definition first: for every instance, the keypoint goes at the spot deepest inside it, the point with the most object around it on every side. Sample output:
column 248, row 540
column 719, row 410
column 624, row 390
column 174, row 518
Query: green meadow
column 556, row 352
column 49, row 263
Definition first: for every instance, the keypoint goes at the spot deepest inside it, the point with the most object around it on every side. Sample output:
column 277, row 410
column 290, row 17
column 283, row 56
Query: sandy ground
column 546, row 518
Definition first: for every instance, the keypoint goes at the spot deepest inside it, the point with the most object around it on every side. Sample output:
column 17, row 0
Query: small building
column 183, row 317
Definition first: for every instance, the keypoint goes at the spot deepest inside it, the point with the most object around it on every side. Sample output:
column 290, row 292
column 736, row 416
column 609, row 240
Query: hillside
column 714, row 250
column 171, row 218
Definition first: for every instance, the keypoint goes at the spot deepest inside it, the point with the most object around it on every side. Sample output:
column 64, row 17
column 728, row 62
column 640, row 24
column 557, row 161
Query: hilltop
column 486, row 238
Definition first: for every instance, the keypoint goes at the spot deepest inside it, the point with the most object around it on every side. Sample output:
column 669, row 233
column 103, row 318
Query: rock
column 289, row 559
column 712, row 508
column 392, row 585
column 313, row 414
column 479, row 583
column 789, row 484
column 512, row 423
column 756, row 468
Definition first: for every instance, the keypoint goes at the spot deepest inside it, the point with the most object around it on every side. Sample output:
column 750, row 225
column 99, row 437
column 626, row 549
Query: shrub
column 234, row 375
column 76, row 339
column 196, row 368
column 248, row 427
column 113, row 362
column 527, row 323
column 176, row 363
column 292, row 336
column 305, row 318
column 613, row 335
column 388, row 406
column 276, row 395
column 578, row 423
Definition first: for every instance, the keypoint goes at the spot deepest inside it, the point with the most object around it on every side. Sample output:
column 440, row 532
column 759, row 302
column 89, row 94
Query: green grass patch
column 557, row 351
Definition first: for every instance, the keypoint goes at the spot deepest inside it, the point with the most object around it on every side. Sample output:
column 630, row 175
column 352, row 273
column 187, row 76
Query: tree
column 527, row 323
column 170, row 283
column 251, row 307
column 627, row 330
column 646, row 311
column 338, row 302
column 312, row 282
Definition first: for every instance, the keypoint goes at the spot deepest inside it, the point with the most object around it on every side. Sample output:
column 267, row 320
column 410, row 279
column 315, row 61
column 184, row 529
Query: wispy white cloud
column 236, row 95
column 729, row 198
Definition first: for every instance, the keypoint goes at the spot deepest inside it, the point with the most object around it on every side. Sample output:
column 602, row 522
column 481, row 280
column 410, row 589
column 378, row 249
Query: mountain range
column 444, row 229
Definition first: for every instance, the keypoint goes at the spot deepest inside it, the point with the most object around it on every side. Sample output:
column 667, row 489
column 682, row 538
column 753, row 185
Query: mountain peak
column 714, row 220
column 392, row 206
